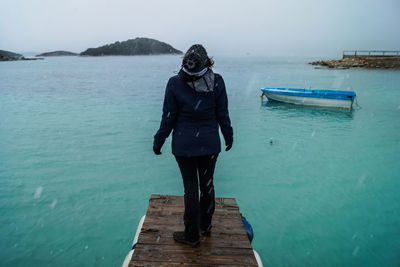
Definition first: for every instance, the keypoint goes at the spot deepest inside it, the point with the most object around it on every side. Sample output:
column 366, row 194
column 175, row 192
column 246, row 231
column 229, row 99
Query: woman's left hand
column 156, row 150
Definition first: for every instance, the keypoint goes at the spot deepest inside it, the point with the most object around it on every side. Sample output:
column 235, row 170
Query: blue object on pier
column 249, row 229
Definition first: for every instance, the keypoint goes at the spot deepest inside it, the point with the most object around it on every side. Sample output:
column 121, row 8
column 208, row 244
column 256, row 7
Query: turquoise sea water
column 77, row 167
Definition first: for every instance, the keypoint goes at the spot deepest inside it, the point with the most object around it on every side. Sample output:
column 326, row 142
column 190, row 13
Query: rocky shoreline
column 372, row 62
column 3, row 58
column 11, row 56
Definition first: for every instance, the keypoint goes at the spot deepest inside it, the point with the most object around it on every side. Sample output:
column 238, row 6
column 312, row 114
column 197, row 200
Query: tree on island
column 57, row 53
column 137, row 46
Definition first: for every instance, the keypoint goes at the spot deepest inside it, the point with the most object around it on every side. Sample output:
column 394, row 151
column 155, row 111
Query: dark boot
column 180, row 237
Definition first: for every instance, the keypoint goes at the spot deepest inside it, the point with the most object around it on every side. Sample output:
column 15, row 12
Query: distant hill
column 137, row 46
column 57, row 53
column 7, row 55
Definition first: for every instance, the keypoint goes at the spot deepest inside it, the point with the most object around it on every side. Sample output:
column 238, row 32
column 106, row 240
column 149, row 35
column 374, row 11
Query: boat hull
column 309, row 101
column 323, row 98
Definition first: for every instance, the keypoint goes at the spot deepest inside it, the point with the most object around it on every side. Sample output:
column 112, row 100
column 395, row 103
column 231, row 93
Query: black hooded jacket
column 195, row 118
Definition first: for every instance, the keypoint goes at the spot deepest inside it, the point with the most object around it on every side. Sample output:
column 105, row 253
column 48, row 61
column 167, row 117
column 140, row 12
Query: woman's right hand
column 228, row 147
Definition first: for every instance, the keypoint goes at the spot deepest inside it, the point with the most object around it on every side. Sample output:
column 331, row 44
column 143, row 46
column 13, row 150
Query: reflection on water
column 303, row 110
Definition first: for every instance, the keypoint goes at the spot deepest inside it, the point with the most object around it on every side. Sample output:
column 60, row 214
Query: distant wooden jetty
column 370, row 53
column 228, row 244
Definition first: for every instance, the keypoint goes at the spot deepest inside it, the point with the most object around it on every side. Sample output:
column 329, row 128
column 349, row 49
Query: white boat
column 128, row 257
column 311, row 97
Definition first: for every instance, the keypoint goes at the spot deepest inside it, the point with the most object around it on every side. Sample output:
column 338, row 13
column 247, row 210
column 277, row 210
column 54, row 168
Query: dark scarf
column 202, row 84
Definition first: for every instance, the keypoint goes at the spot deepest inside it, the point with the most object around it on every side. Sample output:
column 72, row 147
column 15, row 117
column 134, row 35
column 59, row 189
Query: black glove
column 156, row 150
column 228, row 147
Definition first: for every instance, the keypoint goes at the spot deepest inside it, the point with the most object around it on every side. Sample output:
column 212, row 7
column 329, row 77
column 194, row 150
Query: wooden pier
column 228, row 244
column 370, row 53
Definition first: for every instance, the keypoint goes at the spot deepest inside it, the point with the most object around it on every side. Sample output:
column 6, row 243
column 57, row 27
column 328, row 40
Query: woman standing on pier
column 195, row 106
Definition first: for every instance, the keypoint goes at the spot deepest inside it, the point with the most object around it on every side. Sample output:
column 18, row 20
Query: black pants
column 198, row 214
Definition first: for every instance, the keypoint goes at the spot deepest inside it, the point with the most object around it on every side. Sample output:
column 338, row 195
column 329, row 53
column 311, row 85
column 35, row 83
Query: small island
column 57, row 54
column 11, row 56
column 363, row 59
column 132, row 47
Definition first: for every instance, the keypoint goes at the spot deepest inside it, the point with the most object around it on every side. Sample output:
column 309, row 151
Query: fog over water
column 304, row 28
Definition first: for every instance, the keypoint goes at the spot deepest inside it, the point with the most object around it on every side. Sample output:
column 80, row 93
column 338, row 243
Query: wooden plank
column 167, row 201
column 180, row 253
column 178, row 212
column 160, row 226
column 224, row 221
column 158, row 206
column 175, row 210
column 218, row 240
column 145, row 263
column 228, row 244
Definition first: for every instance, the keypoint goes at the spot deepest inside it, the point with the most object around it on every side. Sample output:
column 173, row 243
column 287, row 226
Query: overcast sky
column 259, row 27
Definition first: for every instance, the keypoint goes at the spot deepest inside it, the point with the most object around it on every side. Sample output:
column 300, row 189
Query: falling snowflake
column 197, row 105
column 355, row 251
column 313, row 133
column 38, row 192
column 361, row 179
column 53, row 204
